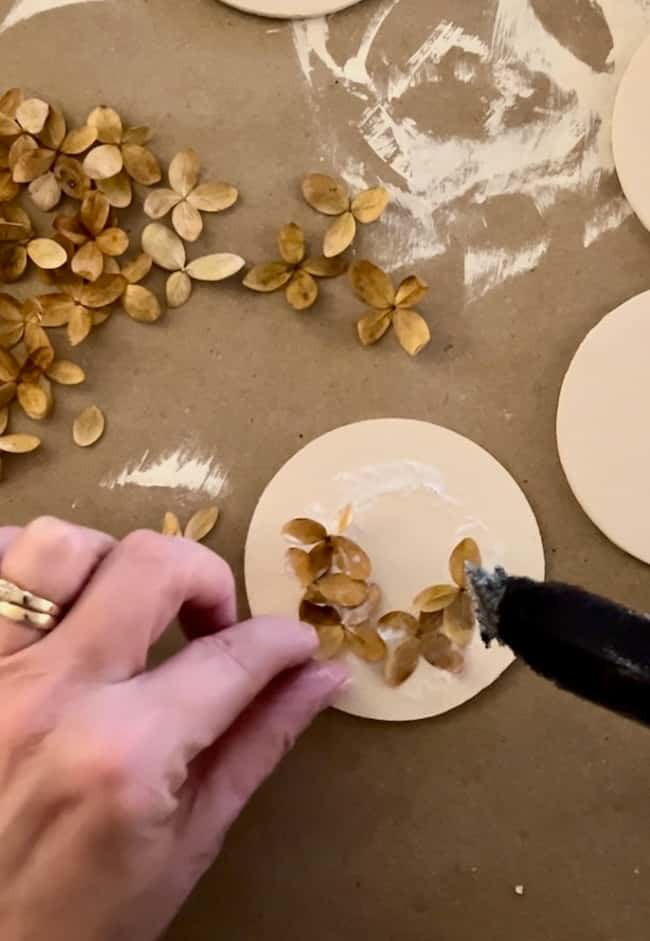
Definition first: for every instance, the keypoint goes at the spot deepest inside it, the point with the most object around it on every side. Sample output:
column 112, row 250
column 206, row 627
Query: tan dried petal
column 458, row 620
column 23, row 145
column 466, row 551
column 141, row 304
column 10, row 310
column 117, row 189
column 202, row 523
column 13, row 231
column 10, row 335
column 402, row 661
column 291, row 242
column 107, row 123
column 33, row 400
column 187, row 221
column 372, row 285
column 140, row 135
column 13, row 262
column 365, row 613
column 78, row 140
column 369, row 205
column 103, row 292
column 47, row 254
column 410, row 291
column 80, row 323
column 103, row 162
column 411, row 329
column 8, row 127
column 215, row 267
column 438, row 650
column 9, row 102
column 56, row 309
column 33, row 164
column 430, row 622
column 340, row 235
column 88, row 427
column 71, row 177
column 268, row 277
column 326, row 194
column 171, row 525
column 19, row 444
column 159, row 202
column 32, row 114
column 301, row 291
column 164, row 246
column 365, row 643
column 350, row 558
column 65, row 373
column 325, row 267
column 320, row 559
column 400, row 621
column 213, row 197
column 36, row 340
column 45, row 192
column 71, row 228
column 54, row 131
column 7, row 391
column 178, row 289
column 141, row 164
column 342, row 590
column 95, row 210
column 184, row 172
column 138, row 268
column 4, row 419
column 345, row 519
column 330, row 640
column 113, row 242
column 435, row 598
column 373, row 325
column 8, row 188
column 317, row 615
column 300, row 564
column 88, row 262
column 305, row 531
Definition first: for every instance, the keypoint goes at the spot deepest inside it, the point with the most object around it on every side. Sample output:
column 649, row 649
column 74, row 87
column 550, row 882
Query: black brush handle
column 587, row 645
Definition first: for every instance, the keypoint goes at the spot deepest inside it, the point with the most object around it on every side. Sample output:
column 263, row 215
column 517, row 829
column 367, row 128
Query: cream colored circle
column 601, row 426
column 290, row 9
column 631, row 133
column 416, row 489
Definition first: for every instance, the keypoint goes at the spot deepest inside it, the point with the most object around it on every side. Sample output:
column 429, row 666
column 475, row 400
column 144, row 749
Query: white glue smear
column 26, row 9
column 176, row 470
column 364, row 486
column 561, row 145
column 606, row 218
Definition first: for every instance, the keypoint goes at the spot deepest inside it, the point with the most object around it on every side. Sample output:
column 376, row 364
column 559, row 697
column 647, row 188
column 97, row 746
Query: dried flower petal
column 184, row 172
column 345, row 519
column 369, row 205
column 65, row 373
column 47, row 254
column 178, row 289
column 350, row 558
column 33, row 400
column 55, row 309
column 95, row 210
column 141, row 164
column 117, row 189
column 330, row 639
column 435, row 598
column 202, row 523
column 366, row 643
column 88, row 262
column 159, row 202
column 305, row 531
column 106, row 290
column 400, row 622
column 373, row 325
column 137, row 135
column 342, row 590
column 71, row 177
column 33, row 164
column 7, row 392
column 402, row 661
column 32, row 114
column 103, row 162
column 187, row 221
column 466, row 551
column 4, row 419
column 9, row 102
column 300, row 564
column 138, row 268
column 19, row 444
column 317, row 615
column 365, row 613
column 326, row 194
column 372, row 284
column 291, row 242
column 79, row 140
column 13, row 262
column 458, row 620
column 320, row 560
column 215, row 267
column 107, row 123
column 268, row 277
column 438, row 650
column 410, row 291
column 302, row 291
column 88, row 427
column 164, row 246
column 171, row 525
column 54, row 130
column 340, row 235
column 8, row 188
column 430, row 622
column 325, row 267
column 412, row 330
column 8, row 127
column 141, row 304
column 213, row 197
column 45, row 192
column 80, row 323
column 113, row 242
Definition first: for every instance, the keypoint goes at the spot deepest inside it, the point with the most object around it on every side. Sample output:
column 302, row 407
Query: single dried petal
column 13, row 231
column 268, row 277
column 350, row 558
column 88, row 427
column 317, row 615
column 435, row 598
column 345, row 519
column 65, row 373
column 32, row 114
column 117, row 189
column 215, row 267
column 213, row 197
column 103, row 292
column 300, row 565
column 18, row 216
column 95, row 210
column 438, row 650
column 305, row 531
column 36, row 340
column 340, row 235
column 33, row 400
column 80, row 323
column 19, row 444
column 141, row 304
column 56, row 309
column 178, row 289
column 7, row 392
column 325, row 267
column 372, row 285
column 431, row 622
column 8, row 188
column 107, row 123
column 365, row 613
column 159, row 202
column 113, row 242
column 164, row 246
column 8, row 127
column 342, row 590
column 101, row 316
column 369, row 205
column 10, row 310
column 171, row 525
column 458, row 620
column 466, row 551
column 45, row 192
column 320, row 559
column 141, row 164
column 403, row 623
column 202, row 523
column 47, row 254
column 88, row 262
column 184, row 172
column 330, row 640
column 10, row 335
column 71, row 228
column 9, row 102
column 402, row 661
column 33, row 164
column 412, row 330
column 25, row 144
column 410, row 291
column 138, row 268
column 140, row 135
column 291, row 242
column 54, row 131
column 4, row 419
column 9, row 368
column 79, row 140
column 71, row 177
column 13, row 262
column 326, row 194
column 103, row 162
column 301, row 291
column 373, row 325
column 187, row 221
column 365, row 643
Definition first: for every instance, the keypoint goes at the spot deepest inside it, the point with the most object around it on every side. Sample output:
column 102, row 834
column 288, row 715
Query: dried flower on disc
column 121, row 156
column 168, row 252
column 296, row 272
column 390, row 307
column 92, row 237
column 402, row 661
column 25, row 374
column 198, row 528
column 452, row 601
column 188, row 198
column 88, row 427
column 80, row 305
column 330, row 196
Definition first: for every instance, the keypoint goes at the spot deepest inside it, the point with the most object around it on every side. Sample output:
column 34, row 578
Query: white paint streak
column 488, row 268
column 178, row 470
column 26, row 9
column 606, row 218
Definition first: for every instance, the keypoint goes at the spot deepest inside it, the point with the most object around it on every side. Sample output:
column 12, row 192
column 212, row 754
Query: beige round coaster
column 290, row 9
column 601, row 426
column 416, row 489
column 631, row 133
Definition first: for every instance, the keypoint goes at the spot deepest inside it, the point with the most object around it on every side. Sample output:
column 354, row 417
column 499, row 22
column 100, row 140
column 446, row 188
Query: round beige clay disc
column 416, row 490
column 631, row 133
column 601, row 426
column 290, row 9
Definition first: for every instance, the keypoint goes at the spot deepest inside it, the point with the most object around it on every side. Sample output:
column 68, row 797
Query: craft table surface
column 392, row 832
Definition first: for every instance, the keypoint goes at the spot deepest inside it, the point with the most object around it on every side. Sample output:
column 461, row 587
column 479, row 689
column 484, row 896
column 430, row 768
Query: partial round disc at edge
column 631, row 133
column 601, row 433
column 290, row 9
column 416, row 489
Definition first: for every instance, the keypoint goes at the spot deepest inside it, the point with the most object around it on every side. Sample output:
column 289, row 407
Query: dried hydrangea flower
column 330, row 196
column 390, row 307
column 15, row 233
column 295, row 272
column 452, row 601
column 24, row 375
column 80, row 305
column 188, row 198
column 91, row 237
column 121, row 156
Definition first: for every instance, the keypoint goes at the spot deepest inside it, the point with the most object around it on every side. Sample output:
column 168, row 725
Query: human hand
column 118, row 785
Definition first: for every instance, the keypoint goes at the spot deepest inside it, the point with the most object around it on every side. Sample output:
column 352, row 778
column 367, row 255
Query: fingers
column 203, row 689
column 135, row 593
column 51, row 559
column 231, row 771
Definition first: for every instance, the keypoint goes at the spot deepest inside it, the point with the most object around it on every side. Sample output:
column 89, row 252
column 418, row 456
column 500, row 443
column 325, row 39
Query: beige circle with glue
column 415, row 490
column 290, row 9
column 601, row 426
column 631, row 133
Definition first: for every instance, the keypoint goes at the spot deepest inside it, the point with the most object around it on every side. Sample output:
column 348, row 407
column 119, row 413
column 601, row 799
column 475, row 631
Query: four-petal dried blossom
column 91, row 236
column 80, row 305
column 390, row 307
column 329, row 195
column 25, row 374
column 121, row 156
